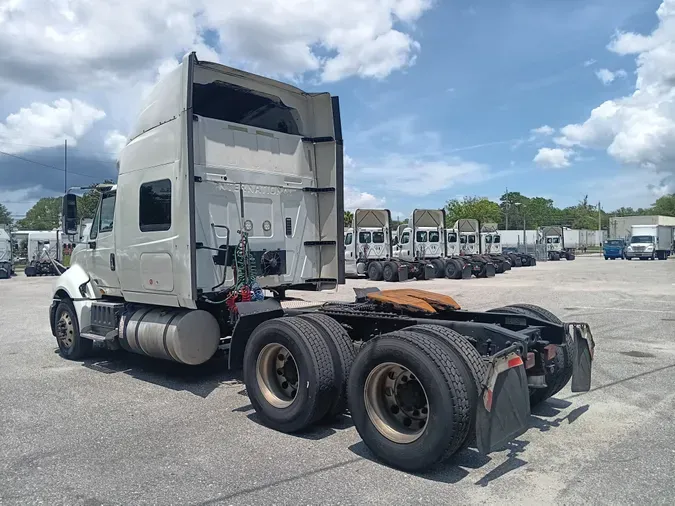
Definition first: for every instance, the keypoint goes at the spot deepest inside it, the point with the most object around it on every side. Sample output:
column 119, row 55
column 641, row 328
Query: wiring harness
column 246, row 288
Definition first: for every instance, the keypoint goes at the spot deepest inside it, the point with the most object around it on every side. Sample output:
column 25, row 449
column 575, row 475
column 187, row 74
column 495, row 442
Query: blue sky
column 439, row 99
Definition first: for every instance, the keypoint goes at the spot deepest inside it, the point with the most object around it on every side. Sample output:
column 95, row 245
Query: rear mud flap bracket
column 503, row 410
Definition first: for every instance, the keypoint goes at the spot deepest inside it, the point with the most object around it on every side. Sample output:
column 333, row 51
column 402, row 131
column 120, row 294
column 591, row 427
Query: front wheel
column 71, row 345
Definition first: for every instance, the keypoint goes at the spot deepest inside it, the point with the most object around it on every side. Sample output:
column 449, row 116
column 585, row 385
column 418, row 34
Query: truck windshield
column 434, row 236
column 378, row 237
column 614, row 243
column 496, row 239
column 553, row 240
column 472, row 239
column 642, row 238
column 488, row 238
column 364, row 237
column 462, row 239
column 421, row 236
column 452, row 237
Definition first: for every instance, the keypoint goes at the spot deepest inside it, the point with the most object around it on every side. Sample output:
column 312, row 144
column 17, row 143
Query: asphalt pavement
column 125, row 429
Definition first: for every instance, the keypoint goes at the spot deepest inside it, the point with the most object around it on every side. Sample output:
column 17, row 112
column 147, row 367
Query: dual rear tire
column 412, row 394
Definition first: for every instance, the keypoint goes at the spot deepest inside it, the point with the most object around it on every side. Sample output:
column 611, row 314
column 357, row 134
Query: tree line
column 515, row 211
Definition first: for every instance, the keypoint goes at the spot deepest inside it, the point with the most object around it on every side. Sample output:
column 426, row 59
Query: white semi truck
column 482, row 266
column 231, row 183
column 650, row 242
column 369, row 250
column 45, row 253
column 424, row 239
column 554, row 238
column 6, row 255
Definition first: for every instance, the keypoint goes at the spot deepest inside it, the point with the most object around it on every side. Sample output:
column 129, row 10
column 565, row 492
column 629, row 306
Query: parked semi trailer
column 554, row 239
column 371, row 250
column 45, row 254
column 202, row 224
column 650, row 242
column 425, row 240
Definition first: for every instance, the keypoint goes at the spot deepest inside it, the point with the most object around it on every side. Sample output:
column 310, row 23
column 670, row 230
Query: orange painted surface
column 415, row 300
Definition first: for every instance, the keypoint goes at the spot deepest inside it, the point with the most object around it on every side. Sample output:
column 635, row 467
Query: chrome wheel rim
column 396, row 403
column 277, row 375
column 66, row 330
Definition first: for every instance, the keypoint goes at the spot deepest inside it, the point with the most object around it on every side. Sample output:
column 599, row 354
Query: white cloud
column 114, row 142
column 542, row 130
column 638, row 129
column 590, row 62
column 73, row 44
column 607, row 77
column 47, row 125
column 552, row 158
column 356, row 199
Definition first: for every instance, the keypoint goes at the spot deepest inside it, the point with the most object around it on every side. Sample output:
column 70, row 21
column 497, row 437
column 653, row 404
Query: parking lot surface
column 125, row 429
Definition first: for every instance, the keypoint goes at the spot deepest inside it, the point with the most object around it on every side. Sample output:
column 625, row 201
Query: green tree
column 5, row 216
column 479, row 208
column 665, row 205
column 349, row 218
column 44, row 215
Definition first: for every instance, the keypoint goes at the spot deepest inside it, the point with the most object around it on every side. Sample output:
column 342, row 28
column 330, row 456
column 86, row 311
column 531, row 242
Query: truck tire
column 4, row 273
column 474, row 367
column 390, row 272
column 516, row 261
column 29, row 271
column 533, row 262
column 396, row 380
column 452, row 269
column 439, row 266
column 67, row 329
column 289, row 375
column 571, row 256
column 562, row 363
column 342, row 351
column 375, row 271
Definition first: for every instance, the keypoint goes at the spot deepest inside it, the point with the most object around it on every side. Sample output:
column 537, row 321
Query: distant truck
column 614, row 248
column 6, row 257
column 554, row 238
column 649, row 242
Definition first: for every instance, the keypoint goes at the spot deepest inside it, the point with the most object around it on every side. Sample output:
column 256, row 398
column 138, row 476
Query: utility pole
column 506, row 210
column 65, row 166
column 599, row 221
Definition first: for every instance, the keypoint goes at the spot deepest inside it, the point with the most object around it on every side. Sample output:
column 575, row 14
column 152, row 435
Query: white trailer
column 650, row 242
column 231, row 183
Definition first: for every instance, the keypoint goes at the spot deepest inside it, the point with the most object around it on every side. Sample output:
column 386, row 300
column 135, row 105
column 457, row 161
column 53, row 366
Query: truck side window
column 107, row 214
column 405, row 238
column 93, row 231
column 421, row 236
column 472, row 239
column 452, row 237
column 496, row 239
column 462, row 239
column 434, row 236
column 154, row 212
column 348, row 239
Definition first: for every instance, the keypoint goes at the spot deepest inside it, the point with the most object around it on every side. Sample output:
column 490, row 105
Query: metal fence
column 537, row 250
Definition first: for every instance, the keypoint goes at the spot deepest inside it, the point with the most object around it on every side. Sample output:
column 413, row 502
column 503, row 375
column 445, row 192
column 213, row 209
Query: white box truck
column 650, row 242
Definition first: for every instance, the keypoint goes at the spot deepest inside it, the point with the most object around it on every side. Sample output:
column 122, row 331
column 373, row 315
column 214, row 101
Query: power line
column 47, row 166
column 44, row 146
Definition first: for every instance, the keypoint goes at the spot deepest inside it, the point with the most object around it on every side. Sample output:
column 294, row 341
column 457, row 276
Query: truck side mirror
column 69, row 214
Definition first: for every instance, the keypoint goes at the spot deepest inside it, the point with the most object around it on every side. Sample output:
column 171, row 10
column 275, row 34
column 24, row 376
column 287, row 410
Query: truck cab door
column 101, row 261
column 350, row 259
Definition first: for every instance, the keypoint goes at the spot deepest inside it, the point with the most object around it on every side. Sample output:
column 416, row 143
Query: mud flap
column 403, row 274
column 503, row 410
column 490, row 270
column 581, row 375
column 466, row 271
column 429, row 271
